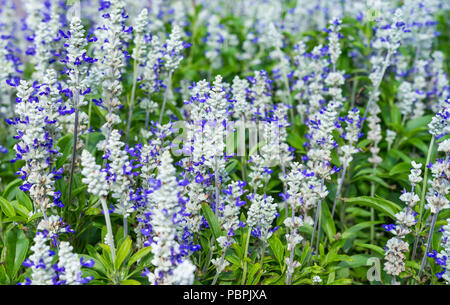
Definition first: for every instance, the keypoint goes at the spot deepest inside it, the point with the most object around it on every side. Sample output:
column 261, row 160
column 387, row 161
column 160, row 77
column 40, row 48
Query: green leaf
column 123, row 252
column 372, row 178
column 4, row 278
column 24, row 200
column 232, row 165
column 65, row 144
column 385, row 206
column 400, row 154
column 11, row 188
column 174, row 109
column 402, row 167
column 7, row 208
column 129, row 282
column 357, row 260
column 93, row 211
column 341, row 282
column 252, row 271
column 23, row 211
column 16, row 251
column 99, row 265
column 35, row 216
column 79, row 190
column 296, row 141
column 328, row 225
column 420, row 122
column 212, row 220
column 419, row 144
column 395, row 115
column 138, row 255
column 364, row 143
column 278, row 249
column 375, row 248
column 350, row 232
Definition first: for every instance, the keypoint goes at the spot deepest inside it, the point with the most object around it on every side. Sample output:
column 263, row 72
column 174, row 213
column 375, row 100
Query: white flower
column 220, row 264
column 410, row 198
column 333, row 36
column 93, row 176
column 405, row 219
column 444, row 254
column 184, row 273
column 141, row 30
column 444, row 146
column 42, row 272
column 173, row 55
column 415, row 176
column 390, row 136
column 53, row 224
column 166, row 223
column 395, row 257
column 436, row 196
column 241, row 106
column 261, row 214
column 71, row 264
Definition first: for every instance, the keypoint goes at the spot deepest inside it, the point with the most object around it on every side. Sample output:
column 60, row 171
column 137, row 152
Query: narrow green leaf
column 252, row 271
column 419, row 144
column 7, row 207
column 375, row 248
column 138, row 255
column 372, row 178
column 341, row 282
column 65, row 144
column 123, row 252
column 418, row 123
column 400, row 154
column 16, row 251
column 20, row 209
column 277, row 247
column 402, row 167
column 212, row 220
column 129, row 282
column 12, row 188
column 24, row 200
column 350, row 232
column 388, row 207
column 327, row 224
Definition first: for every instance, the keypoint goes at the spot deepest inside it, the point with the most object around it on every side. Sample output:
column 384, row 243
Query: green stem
column 288, row 91
column 424, row 184
column 208, row 257
column 372, row 213
column 222, row 258
column 108, row 228
column 125, row 226
column 355, row 84
column 169, row 86
column 244, row 274
column 338, row 191
column 422, row 199
column 74, row 147
column 133, row 92
column 316, row 217
column 429, row 241
column 89, row 124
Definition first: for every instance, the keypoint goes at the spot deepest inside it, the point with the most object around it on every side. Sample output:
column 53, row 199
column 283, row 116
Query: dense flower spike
column 66, row 270
column 442, row 258
column 395, row 259
column 167, row 221
column 37, row 126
